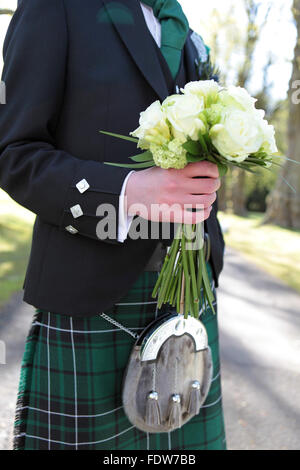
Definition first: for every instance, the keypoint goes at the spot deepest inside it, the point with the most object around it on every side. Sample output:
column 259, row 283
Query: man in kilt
column 72, row 68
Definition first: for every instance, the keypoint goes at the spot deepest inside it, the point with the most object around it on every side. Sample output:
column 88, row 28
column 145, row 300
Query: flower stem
column 160, row 277
column 185, row 270
column 195, row 300
column 187, row 299
column 168, row 273
column 180, row 292
column 206, row 284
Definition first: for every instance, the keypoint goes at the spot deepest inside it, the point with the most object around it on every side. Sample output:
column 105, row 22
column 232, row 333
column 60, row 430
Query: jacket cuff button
column 71, row 229
column 82, row 186
column 76, row 211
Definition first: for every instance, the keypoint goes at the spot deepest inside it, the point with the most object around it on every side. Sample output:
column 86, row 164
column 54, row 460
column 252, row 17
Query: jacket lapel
column 128, row 19
column 191, row 58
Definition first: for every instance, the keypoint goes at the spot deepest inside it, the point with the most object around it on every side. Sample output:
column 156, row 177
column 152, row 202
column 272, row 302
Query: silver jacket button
column 76, row 211
column 82, row 186
column 71, row 229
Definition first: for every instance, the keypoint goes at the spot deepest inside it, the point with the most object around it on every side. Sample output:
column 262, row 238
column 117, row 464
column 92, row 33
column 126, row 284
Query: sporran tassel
column 175, row 412
column 152, row 417
column 194, row 402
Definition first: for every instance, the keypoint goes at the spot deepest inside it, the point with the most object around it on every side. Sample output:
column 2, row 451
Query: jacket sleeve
column 60, row 188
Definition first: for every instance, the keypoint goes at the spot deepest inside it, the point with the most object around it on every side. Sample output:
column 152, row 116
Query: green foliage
column 15, row 237
column 120, row 136
column 257, row 188
column 193, row 147
column 142, row 157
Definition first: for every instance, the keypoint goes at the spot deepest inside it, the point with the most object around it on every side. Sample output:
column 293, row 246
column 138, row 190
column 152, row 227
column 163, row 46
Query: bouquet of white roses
column 205, row 122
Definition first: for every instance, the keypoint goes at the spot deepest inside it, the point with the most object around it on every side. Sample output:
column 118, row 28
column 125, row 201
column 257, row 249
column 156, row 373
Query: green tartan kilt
column 71, row 382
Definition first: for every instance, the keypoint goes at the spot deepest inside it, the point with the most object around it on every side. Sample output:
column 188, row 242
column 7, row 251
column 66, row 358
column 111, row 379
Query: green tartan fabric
column 71, row 381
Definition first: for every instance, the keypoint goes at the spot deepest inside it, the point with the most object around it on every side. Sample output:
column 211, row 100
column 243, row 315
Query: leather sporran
column 168, row 375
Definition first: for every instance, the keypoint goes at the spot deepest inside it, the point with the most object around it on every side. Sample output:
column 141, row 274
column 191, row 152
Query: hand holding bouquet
column 205, row 122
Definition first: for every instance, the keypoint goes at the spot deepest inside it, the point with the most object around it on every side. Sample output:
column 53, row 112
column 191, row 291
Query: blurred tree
column 279, row 119
column 227, row 24
column 254, row 30
column 233, row 48
column 283, row 203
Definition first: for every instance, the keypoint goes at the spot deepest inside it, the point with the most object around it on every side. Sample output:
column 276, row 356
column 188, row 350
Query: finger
column 186, row 216
column 200, row 186
column 198, row 202
column 196, row 217
column 201, row 169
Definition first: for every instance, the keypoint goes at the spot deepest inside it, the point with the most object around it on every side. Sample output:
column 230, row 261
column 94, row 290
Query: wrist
column 131, row 192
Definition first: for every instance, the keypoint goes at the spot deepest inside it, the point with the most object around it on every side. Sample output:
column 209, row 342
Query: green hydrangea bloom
column 172, row 155
column 214, row 113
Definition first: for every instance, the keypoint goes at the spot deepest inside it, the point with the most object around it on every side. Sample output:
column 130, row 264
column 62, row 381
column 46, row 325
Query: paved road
column 260, row 350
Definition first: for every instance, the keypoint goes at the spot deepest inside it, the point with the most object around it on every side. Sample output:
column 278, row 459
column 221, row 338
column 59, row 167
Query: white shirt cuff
column 124, row 219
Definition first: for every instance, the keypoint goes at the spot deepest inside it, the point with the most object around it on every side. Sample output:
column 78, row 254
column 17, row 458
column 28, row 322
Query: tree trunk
column 283, row 203
column 222, row 195
column 238, row 193
column 238, row 182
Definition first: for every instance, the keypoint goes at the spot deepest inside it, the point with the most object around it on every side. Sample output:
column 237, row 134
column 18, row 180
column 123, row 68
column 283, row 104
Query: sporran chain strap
column 127, row 330
column 119, row 325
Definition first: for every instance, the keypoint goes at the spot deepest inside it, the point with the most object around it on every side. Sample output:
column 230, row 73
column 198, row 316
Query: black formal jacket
column 72, row 68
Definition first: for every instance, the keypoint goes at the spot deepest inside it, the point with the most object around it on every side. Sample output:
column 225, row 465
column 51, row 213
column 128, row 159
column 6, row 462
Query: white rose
column 183, row 113
column 153, row 126
column 204, row 89
column 238, row 97
column 237, row 135
column 269, row 142
column 152, row 116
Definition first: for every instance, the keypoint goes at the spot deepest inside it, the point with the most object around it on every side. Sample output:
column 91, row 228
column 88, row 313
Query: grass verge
column 273, row 248
column 15, row 239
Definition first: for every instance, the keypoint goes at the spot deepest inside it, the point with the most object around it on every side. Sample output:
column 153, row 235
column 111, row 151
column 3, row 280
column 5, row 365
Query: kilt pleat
column 70, row 389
